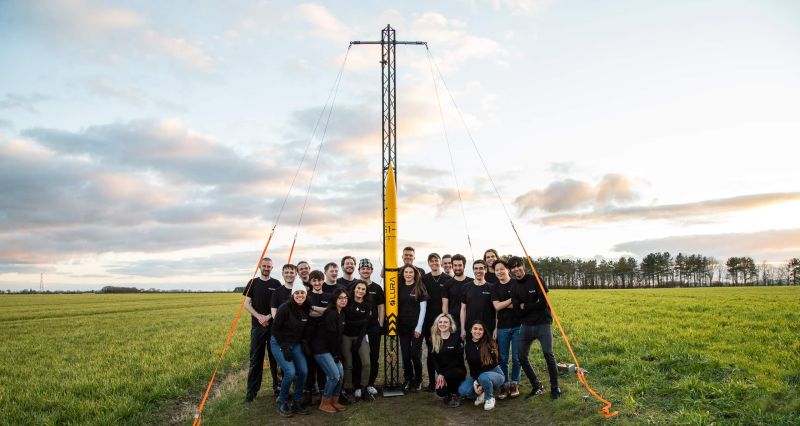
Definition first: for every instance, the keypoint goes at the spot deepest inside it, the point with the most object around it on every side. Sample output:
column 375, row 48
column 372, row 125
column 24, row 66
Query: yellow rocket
column 390, row 254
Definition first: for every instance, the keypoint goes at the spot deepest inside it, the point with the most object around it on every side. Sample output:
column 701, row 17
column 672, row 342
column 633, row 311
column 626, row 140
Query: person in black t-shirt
column 377, row 300
column 490, row 256
column 534, row 312
column 357, row 316
column 448, row 359
column 434, row 284
column 485, row 375
column 409, row 255
column 326, row 345
column 318, row 301
column 303, row 271
column 453, row 290
column 507, row 330
column 411, row 305
column 348, row 267
column 330, row 284
column 258, row 293
column 476, row 302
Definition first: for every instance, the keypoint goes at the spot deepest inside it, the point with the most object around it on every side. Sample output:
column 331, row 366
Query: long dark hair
column 334, row 297
column 352, row 292
column 486, row 346
column 420, row 292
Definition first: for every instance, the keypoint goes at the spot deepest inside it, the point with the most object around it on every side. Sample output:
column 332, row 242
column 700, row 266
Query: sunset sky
column 152, row 144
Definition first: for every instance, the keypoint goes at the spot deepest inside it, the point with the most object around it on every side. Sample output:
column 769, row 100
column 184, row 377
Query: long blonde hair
column 436, row 336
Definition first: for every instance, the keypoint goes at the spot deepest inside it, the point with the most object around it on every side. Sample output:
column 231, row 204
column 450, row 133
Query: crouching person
column 485, row 373
column 327, row 348
column 287, row 332
column 448, row 359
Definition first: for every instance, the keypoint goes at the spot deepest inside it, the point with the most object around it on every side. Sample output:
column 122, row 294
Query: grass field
column 667, row 356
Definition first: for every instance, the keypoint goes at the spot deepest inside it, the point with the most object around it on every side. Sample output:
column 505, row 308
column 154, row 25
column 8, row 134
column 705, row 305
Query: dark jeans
column 374, row 355
column 411, row 351
column 259, row 337
column 315, row 374
column 544, row 334
column 452, row 380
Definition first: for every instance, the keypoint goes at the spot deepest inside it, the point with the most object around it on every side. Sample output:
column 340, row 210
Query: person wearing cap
column 288, row 330
column 534, row 313
column 377, row 299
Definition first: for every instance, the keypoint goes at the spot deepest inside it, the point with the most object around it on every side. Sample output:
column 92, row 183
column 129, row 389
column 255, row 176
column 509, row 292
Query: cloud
column 770, row 245
column 6, row 124
column 678, row 212
column 130, row 95
column 451, row 43
column 99, row 28
column 521, row 7
column 23, row 102
column 570, row 194
column 325, row 25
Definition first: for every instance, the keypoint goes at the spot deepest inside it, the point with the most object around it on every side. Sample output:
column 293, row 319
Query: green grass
column 664, row 356
column 110, row 359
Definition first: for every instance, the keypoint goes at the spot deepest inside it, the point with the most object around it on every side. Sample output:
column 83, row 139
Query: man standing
column 532, row 309
column 447, row 264
column 409, row 254
column 348, row 267
column 376, row 298
column 331, row 273
column 453, row 290
column 476, row 303
column 258, row 293
column 303, row 270
column 283, row 293
column 434, row 283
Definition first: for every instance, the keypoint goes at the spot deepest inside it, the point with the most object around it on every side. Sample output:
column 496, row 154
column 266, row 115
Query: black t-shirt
column 319, row 300
column 535, row 310
column 478, row 299
column 280, row 296
column 408, row 309
column 450, row 355
column 473, row 356
column 453, row 292
column 356, row 318
column 435, row 287
column 375, row 297
column 506, row 318
column 329, row 288
column 345, row 284
column 490, row 277
column 260, row 295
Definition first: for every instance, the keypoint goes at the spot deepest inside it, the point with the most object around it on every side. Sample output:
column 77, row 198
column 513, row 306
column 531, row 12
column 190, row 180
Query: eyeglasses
column 342, row 297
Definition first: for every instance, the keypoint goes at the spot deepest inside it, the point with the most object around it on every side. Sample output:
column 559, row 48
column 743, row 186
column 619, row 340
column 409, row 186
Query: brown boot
column 514, row 390
column 335, row 404
column 502, row 393
column 325, row 405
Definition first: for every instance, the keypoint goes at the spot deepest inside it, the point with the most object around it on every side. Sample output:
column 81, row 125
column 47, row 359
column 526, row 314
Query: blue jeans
column 297, row 368
column 334, row 374
column 489, row 381
column 509, row 337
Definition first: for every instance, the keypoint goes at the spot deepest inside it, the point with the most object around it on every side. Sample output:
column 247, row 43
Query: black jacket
column 290, row 323
column 535, row 310
column 328, row 335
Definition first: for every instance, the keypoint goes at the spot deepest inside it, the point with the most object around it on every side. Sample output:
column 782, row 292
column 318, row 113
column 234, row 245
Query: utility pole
column 391, row 347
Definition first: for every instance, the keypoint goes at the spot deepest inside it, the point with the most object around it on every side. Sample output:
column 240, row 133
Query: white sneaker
column 357, row 393
column 489, row 404
column 480, row 399
column 372, row 390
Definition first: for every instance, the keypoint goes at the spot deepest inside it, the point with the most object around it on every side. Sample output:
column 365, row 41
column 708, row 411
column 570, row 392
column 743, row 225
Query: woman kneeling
column 485, row 373
column 448, row 359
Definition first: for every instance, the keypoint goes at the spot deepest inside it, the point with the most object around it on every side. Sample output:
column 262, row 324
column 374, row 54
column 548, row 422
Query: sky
column 152, row 144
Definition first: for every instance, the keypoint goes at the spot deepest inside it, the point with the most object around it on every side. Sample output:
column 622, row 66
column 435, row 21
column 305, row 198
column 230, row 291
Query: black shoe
column 430, row 388
column 455, row 401
column 299, row 408
column 407, row 386
column 284, row 409
column 447, row 398
column 414, row 387
column 249, row 398
column 537, row 390
column 345, row 398
column 555, row 393
column 366, row 396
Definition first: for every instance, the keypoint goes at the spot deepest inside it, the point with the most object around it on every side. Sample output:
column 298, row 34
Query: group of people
column 324, row 331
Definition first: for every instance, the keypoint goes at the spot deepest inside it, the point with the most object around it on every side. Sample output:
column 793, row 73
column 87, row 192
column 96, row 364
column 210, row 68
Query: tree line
column 659, row 270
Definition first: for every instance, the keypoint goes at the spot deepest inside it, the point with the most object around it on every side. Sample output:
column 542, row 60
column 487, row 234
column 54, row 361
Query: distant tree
column 793, row 270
